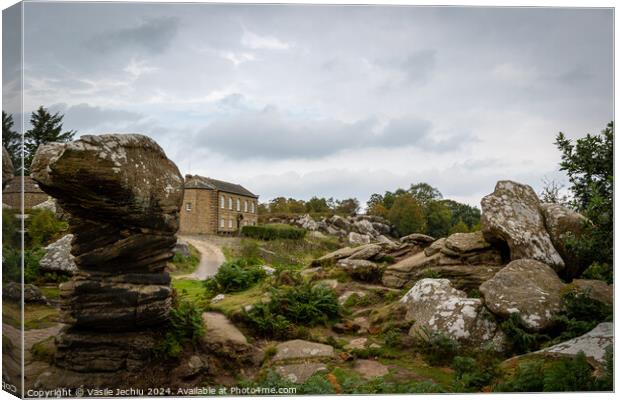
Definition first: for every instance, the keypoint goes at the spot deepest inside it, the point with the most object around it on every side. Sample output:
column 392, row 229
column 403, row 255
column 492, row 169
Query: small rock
column 357, row 238
column 268, row 270
column 218, row 298
column 58, row 257
column 370, row 369
column 302, row 349
column 357, row 344
column 299, row 373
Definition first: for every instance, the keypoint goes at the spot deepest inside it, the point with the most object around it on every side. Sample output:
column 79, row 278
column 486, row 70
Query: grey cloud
column 86, row 117
column 269, row 133
column 153, row 35
column 416, row 67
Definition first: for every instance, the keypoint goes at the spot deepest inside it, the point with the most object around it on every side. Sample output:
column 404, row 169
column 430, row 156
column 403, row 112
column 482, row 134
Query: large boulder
column 593, row 344
column 561, row 223
column 182, row 248
column 595, row 289
column 331, row 258
column 13, row 291
column 357, row 238
column 436, row 307
column 7, row 167
column 297, row 360
column 527, row 287
column 468, row 262
column 307, row 223
column 58, row 257
column 362, row 270
column 123, row 195
column 365, row 228
column 366, row 252
column 223, row 338
column 512, row 214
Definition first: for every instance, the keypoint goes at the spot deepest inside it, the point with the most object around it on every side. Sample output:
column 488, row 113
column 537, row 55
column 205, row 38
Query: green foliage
column 459, row 227
column 42, row 227
column 438, row 219
column 273, row 231
column 566, row 375
column 580, row 314
column 187, row 264
column 302, row 305
column 437, row 348
column 11, row 140
column 319, row 205
column 46, row 128
column 598, row 271
column 235, row 276
column 521, row 340
column 589, row 165
column 11, row 226
column 471, row 375
column 407, row 215
column 347, row 206
column 186, row 326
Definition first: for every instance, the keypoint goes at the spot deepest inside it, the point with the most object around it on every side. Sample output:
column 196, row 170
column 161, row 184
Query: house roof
column 202, row 182
column 14, row 185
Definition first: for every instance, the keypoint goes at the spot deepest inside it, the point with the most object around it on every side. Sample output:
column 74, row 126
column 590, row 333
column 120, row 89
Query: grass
column 191, row 290
column 186, row 265
column 233, row 303
column 51, row 292
column 37, row 316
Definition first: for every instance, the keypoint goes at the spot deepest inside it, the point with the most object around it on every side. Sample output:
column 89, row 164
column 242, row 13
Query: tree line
column 45, row 128
column 316, row 205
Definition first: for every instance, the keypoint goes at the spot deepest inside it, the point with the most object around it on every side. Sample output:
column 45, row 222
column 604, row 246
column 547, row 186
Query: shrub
column 273, row 231
column 437, row 348
column 580, row 314
column 11, row 226
column 529, row 377
column 470, row 374
column 31, row 264
column 186, row 264
column 521, row 340
column 186, row 326
column 43, row 227
column 234, row 276
column 306, row 305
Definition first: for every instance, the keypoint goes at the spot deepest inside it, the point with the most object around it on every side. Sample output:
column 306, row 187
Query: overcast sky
column 335, row 101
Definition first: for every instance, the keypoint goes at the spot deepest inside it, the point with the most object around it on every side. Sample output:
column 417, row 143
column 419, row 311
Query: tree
column 438, row 218
column 296, row 206
column 459, row 227
column 589, row 165
column 46, row 128
column 278, row 205
column 552, row 193
column 469, row 215
column 317, row 205
column 347, row 206
column 407, row 215
column 424, row 193
column 11, row 140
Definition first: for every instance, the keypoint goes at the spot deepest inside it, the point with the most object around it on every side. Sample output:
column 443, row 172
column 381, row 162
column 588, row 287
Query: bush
column 304, row 305
column 235, row 276
column 186, row 264
column 566, row 375
column 580, row 314
column 42, row 227
column 185, row 326
column 273, row 231
column 521, row 340
column 470, row 374
column 437, row 348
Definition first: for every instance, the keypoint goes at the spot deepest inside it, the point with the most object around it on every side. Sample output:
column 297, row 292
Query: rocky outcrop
column 435, row 306
column 512, row 215
column 527, row 287
column 359, row 229
column 562, row 223
column 298, row 360
column 465, row 259
column 7, row 167
column 181, row 248
column 593, row 344
column 13, row 291
column 224, row 339
column 123, row 195
column 58, row 257
column 362, row 270
column 595, row 289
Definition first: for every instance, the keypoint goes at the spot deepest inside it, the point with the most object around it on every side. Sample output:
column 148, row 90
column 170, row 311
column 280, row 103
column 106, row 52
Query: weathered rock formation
column 561, row 223
column 224, row 339
column 436, row 307
column 298, row 360
column 512, row 214
column 466, row 259
column 527, row 287
column 58, row 257
column 123, row 195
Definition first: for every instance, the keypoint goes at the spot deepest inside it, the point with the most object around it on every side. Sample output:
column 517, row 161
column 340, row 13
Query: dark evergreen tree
column 11, row 140
column 46, row 128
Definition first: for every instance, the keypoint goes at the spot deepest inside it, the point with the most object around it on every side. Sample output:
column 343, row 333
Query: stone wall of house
column 227, row 215
column 30, row 199
column 198, row 214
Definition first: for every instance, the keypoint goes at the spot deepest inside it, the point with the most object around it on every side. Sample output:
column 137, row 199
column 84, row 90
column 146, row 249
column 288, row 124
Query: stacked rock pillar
column 124, row 197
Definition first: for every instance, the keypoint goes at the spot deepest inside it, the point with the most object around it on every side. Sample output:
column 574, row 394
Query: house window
column 238, row 205
column 230, row 203
column 252, row 204
column 245, row 206
column 222, row 223
column 222, row 202
column 188, row 207
column 230, row 223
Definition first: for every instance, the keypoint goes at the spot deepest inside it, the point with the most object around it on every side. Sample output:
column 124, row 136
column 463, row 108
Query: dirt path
column 211, row 257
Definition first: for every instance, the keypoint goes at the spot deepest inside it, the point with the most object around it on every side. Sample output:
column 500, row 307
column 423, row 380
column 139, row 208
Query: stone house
column 211, row 206
column 33, row 195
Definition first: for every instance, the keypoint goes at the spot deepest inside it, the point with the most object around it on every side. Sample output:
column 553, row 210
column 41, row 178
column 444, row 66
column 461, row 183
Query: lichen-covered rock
column 527, row 287
column 123, row 196
column 469, row 262
column 358, row 238
column 334, row 256
column 435, row 306
column 365, row 228
column 593, row 344
column 561, row 223
column 58, row 257
column 417, row 238
column 365, row 252
column 297, row 349
column 13, row 291
column 7, row 167
column 512, row 214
